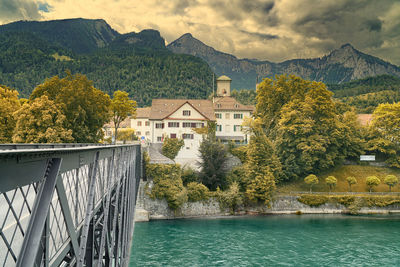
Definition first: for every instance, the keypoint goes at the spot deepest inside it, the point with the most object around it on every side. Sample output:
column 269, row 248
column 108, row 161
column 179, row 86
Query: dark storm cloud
column 261, row 36
column 374, row 25
column 11, row 10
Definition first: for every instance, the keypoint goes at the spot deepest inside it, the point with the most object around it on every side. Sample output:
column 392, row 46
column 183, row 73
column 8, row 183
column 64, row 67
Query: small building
column 141, row 124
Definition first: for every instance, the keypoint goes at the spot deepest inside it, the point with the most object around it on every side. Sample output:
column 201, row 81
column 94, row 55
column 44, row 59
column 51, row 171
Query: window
column 138, row 133
column 159, row 138
column 186, row 113
column 192, row 125
column 173, row 124
column 237, row 128
column 147, row 133
column 227, row 128
column 227, row 116
column 173, row 135
column 139, row 123
column 147, row 123
column 159, row 126
column 218, row 115
column 238, row 116
column 187, row 136
column 219, row 128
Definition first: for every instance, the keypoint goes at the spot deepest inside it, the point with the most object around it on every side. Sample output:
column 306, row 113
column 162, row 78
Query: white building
column 229, row 113
column 176, row 118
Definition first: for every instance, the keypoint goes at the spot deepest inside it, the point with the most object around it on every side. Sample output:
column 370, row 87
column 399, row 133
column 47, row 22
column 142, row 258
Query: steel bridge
column 67, row 204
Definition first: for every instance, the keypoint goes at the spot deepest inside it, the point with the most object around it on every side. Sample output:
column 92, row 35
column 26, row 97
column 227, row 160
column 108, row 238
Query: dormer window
column 186, row 113
column 236, row 106
column 218, row 105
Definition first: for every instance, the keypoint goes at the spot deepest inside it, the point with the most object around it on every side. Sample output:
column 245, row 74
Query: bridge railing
column 67, row 205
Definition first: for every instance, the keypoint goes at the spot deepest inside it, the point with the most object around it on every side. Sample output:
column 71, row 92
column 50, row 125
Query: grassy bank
column 341, row 173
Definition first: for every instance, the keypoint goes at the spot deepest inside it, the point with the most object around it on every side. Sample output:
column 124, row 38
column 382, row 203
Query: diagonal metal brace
column 39, row 214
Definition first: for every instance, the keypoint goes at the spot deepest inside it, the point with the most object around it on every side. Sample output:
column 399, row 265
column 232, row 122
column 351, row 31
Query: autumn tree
column 86, row 108
column 127, row 135
column 331, row 181
column 121, row 108
column 9, row 103
column 391, row 180
column 351, row 180
column 311, row 180
column 385, row 133
column 40, row 121
column 372, row 181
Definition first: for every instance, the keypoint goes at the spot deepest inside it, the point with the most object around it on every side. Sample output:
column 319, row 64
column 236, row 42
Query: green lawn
column 359, row 172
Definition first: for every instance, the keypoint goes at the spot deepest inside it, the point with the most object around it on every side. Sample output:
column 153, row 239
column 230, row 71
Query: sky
column 274, row 30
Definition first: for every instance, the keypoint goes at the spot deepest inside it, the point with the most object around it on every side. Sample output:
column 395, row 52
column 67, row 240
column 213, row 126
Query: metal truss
column 67, row 205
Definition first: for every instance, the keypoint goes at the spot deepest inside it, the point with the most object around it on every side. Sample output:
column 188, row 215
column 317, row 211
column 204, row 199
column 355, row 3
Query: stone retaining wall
column 149, row 209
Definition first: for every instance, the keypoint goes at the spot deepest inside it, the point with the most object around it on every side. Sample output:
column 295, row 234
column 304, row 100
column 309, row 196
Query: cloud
column 274, row 30
column 11, row 10
column 44, row 7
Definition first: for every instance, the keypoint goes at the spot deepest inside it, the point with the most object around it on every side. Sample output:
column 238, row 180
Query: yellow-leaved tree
column 121, row 108
column 86, row 108
column 9, row 103
column 40, row 121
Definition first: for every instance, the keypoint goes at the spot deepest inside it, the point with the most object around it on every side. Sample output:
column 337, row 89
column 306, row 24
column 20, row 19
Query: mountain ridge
column 340, row 65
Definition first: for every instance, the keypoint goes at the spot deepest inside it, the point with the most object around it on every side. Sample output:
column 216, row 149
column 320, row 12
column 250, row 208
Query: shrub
column 313, row 200
column 311, row 180
column 171, row 147
column 391, row 180
column 231, row 198
column 237, row 175
column 351, row 180
column 372, row 181
column 331, row 181
column 261, row 188
column 189, row 175
column 167, row 184
column 197, row 192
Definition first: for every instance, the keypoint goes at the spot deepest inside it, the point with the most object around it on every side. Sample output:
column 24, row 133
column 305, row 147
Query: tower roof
column 224, row 78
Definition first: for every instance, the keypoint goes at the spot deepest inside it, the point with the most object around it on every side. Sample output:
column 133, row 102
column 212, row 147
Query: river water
column 289, row 240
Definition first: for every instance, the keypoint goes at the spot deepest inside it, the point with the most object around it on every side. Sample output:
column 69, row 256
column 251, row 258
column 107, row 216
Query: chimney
column 224, row 86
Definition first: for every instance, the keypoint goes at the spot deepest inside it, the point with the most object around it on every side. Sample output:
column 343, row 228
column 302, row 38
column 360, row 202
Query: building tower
column 224, row 86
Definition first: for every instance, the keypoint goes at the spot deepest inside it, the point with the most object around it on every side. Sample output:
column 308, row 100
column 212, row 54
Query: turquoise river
column 286, row 240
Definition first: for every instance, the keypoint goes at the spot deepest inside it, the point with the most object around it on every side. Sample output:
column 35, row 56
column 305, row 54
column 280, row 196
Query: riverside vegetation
column 297, row 130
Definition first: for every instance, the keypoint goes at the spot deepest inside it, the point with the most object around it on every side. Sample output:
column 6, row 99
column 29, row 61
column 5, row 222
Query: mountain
column 341, row 65
column 138, row 63
column 78, row 35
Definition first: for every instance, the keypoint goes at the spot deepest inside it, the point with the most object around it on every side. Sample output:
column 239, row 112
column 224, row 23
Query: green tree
column 391, row 180
column 300, row 119
column 40, row 121
column 385, row 133
column 351, row 180
column 9, row 103
column 311, row 180
column 213, row 158
column 86, row 108
column 372, row 181
column 121, row 108
column 261, row 154
column 331, row 181
column 171, row 147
